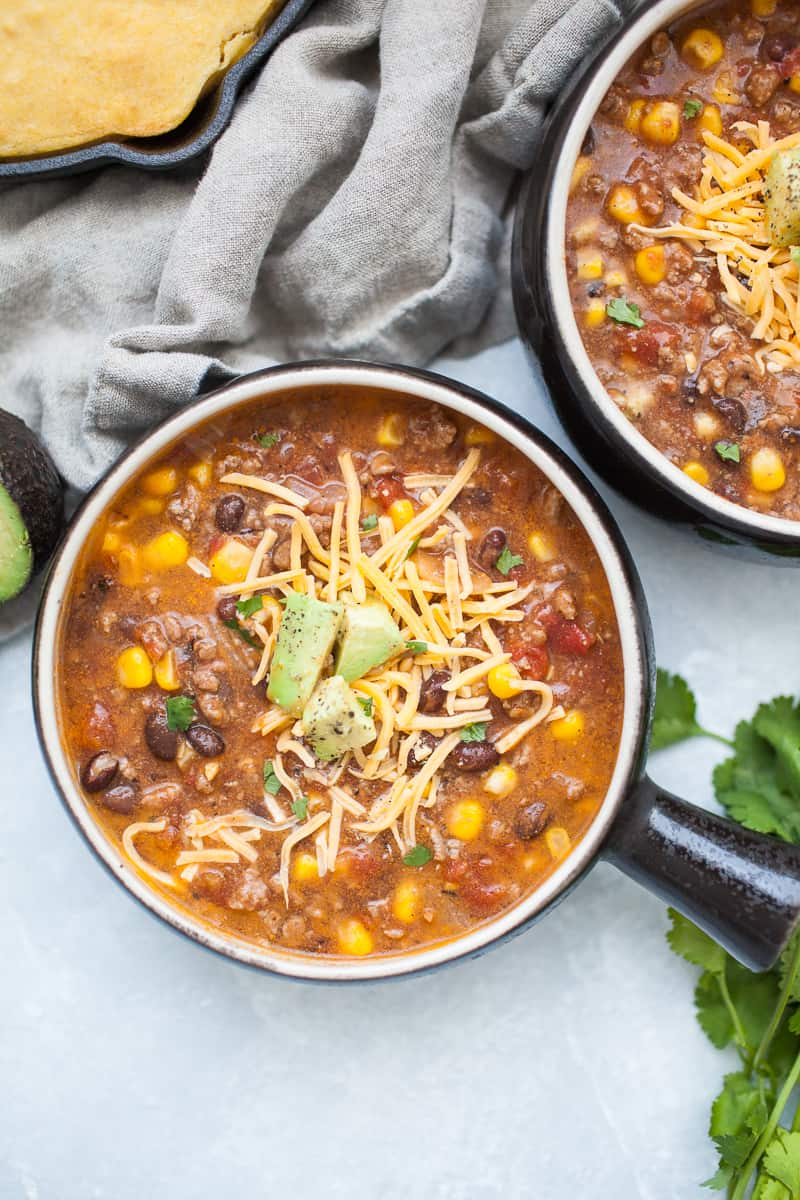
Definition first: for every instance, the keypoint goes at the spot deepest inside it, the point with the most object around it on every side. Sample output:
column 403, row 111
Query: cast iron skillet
column 606, row 438
column 742, row 887
column 193, row 136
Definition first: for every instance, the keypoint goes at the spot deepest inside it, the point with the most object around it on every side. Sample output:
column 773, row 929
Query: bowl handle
column 742, row 888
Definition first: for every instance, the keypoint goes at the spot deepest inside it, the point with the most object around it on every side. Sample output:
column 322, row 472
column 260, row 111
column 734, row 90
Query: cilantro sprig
column 624, row 312
column 728, row 451
column 675, row 713
column 506, row 561
column 692, row 109
column 180, row 713
column 369, row 522
column 271, row 782
column 417, row 857
column 756, row 1014
column 300, row 808
column 476, row 732
column 267, row 440
column 243, row 633
column 246, row 608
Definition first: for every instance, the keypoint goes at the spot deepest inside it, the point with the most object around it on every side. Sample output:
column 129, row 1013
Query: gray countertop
column 566, row 1063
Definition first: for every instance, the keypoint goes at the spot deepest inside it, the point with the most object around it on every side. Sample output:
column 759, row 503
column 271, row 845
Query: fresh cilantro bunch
column 757, row 1014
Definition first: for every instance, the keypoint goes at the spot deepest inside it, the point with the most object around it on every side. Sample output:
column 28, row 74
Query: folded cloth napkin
column 356, row 205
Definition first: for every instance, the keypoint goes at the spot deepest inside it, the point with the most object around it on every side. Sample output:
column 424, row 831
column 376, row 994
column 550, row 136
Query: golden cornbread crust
column 77, row 71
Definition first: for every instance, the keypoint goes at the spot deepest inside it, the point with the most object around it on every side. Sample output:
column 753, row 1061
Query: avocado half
column 31, row 505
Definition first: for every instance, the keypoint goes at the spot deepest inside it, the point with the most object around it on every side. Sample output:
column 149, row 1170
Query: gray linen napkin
column 356, row 205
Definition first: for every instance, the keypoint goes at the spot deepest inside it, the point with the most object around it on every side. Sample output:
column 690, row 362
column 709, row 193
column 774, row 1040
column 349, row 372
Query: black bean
column 161, row 740
column 790, row 435
column 432, row 694
column 99, row 772
column 531, row 820
column 420, row 752
column 226, row 608
column 491, row 546
column 733, row 412
column 121, row 799
column 230, row 511
column 777, row 45
column 479, row 497
column 474, row 756
column 205, row 740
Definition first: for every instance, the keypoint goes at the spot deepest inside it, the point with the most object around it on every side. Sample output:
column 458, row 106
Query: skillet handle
column 742, row 888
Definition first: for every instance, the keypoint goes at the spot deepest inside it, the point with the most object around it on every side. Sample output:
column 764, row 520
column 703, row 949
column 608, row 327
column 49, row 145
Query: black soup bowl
column 609, row 442
column 742, row 887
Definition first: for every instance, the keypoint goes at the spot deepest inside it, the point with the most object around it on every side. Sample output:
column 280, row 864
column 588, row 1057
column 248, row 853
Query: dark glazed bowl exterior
column 743, row 888
column 609, row 442
column 192, row 137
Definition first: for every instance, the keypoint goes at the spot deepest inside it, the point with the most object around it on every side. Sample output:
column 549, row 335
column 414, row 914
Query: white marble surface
column 564, row 1064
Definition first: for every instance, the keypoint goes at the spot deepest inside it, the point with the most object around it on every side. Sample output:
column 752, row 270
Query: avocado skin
column 29, row 476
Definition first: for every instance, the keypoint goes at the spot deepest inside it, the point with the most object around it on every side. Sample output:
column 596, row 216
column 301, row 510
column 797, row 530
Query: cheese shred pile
column 727, row 219
column 444, row 607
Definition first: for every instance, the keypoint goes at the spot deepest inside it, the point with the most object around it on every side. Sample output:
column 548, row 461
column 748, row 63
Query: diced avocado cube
column 782, row 198
column 334, row 721
column 305, row 639
column 367, row 637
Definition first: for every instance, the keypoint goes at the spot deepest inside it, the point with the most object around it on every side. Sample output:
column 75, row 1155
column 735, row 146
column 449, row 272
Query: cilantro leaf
column 412, row 548
column 180, row 713
column 417, row 647
column 300, row 808
column 782, row 1160
column 506, row 561
column 674, row 715
column 692, row 108
column 271, row 782
column 369, row 522
column 760, row 785
column 624, row 313
column 267, row 440
column 737, row 1116
column 696, row 947
column 728, row 451
column 366, row 703
column 243, row 633
column 246, row 608
column 770, row 1189
column 476, row 732
column 417, row 857
column 713, row 1016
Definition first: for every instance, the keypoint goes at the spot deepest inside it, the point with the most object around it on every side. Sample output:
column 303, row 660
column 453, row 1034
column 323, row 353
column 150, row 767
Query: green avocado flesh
column 16, row 555
column 305, row 639
column 334, row 721
column 368, row 637
column 782, row 198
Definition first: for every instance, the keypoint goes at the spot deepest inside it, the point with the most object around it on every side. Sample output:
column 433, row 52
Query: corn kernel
column 579, row 171
column 504, row 681
column 541, row 547
column 589, row 265
column 501, row 781
column 623, row 205
column 129, row 566
column 711, row 119
column 166, row 672
column 479, row 435
column 702, row 49
column 407, row 901
column 706, row 426
column 615, row 279
column 763, row 8
column 569, row 727
column 134, row 669
column 230, row 563
column 767, row 472
column 147, row 506
column 794, row 83
column 633, row 117
column 391, row 431
column 465, row 820
column 304, row 867
column 201, row 473
column 724, row 90
column 595, row 313
column 650, row 265
column 662, row 123
column 697, row 472
column 112, row 542
column 401, row 512
column 160, row 482
column 211, row 771
column 558, row 841
column 169, row 549
column 354, row 937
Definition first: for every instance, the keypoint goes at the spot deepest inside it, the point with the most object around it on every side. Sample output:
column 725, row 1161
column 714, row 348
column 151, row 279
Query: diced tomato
column 359, row 863
column 566, row 637
column 790, row 64
column 387, row 489
column 646, row 344
column 475, row 885
column 531, row 660
column 100, row 726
